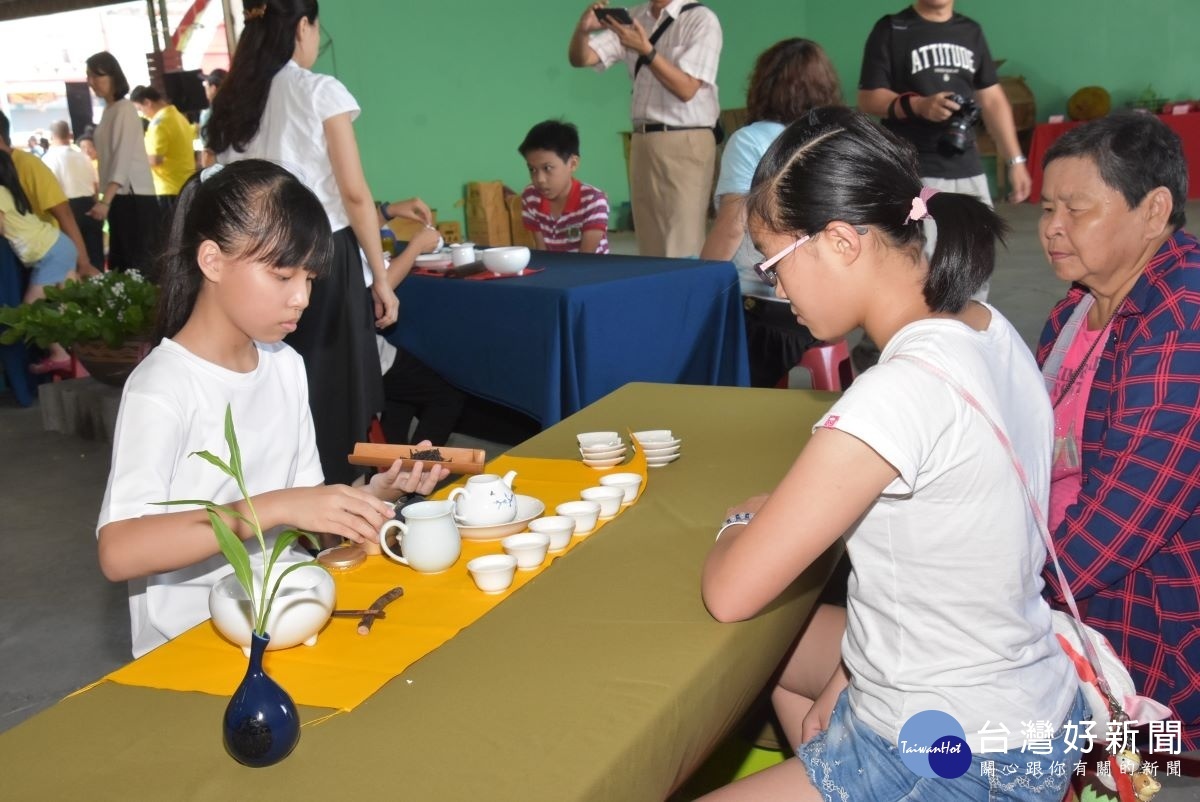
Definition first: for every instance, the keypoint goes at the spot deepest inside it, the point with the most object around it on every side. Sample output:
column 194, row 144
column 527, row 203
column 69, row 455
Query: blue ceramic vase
column 261, row 725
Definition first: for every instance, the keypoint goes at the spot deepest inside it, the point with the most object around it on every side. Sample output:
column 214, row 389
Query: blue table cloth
column 549, row 343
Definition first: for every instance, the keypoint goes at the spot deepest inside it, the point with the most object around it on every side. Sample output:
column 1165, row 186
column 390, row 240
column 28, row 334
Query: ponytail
column 266, row 45
column 180, row 278
column 964, row 255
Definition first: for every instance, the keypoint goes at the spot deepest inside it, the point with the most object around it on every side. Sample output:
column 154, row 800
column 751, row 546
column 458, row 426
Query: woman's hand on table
column 396, row 482
column 426, row 240
column 348, row 512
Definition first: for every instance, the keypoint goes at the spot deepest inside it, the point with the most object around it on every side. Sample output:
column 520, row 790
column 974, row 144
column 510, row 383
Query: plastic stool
column 829, row 365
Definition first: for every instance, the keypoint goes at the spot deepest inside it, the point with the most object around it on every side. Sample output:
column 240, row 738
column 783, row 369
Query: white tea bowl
column 302, row 606
column 593, row 439
column 529, row 549
column 558, row 528
column 628, row 482
column 493, row 573
column 609, row 499
column 648, row 436
column 602, row 452
column 507, row 261
column 585, row 513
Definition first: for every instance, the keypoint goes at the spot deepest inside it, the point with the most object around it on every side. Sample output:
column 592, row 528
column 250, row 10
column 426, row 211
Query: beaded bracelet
column 738, row 519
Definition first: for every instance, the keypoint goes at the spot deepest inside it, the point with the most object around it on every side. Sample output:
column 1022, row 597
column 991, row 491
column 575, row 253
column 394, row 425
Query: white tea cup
column 427, row 541
column 493, row 573
column 585, row 513
column 609, row 499
column 529, row 549
column 558, row 528
column 462, row 253
column 628, row 482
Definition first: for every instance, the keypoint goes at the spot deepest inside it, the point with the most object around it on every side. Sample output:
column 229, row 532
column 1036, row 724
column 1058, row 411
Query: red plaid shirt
column 1130, row 544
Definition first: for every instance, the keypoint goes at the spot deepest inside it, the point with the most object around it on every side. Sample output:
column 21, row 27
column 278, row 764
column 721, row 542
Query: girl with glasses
column 944, row 609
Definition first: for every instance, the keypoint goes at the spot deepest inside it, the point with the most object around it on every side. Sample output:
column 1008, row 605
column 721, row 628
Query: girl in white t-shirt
column 944, row 609
column 246, row 243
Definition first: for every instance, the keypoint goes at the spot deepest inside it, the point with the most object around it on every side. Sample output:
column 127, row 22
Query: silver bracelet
column 738, row 519
column 1015, row 160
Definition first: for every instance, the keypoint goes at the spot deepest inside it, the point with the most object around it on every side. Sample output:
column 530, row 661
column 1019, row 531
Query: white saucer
column 658, row 462
column 528, row 508
column 602, row 453
column 603, row 463
column 664, row 451
column 653, row 444
column 433, row 261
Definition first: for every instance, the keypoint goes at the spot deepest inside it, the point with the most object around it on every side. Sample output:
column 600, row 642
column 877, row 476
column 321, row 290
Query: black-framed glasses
column 767, row 271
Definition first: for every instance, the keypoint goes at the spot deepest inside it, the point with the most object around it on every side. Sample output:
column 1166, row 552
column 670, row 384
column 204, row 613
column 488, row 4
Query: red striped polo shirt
column 586, row 210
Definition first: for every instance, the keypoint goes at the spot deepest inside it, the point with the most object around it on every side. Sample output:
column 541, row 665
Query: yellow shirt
column 28, row 235
column 170, row 136
column 39, row 183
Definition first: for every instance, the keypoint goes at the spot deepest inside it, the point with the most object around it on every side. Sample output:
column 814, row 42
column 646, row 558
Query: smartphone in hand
column 620, row 15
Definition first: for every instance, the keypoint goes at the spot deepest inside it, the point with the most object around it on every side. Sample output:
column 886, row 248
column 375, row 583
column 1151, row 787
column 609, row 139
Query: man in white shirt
column 672, row 49
column 77, row 175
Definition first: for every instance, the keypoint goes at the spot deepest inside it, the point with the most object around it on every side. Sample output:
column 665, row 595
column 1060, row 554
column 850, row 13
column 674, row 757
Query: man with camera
column 928, row 73
column 671, row 49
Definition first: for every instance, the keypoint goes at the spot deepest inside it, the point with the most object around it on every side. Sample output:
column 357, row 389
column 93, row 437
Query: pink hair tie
column 919, row 210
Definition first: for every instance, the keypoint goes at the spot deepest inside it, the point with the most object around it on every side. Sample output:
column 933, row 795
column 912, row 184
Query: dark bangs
column 288, row 228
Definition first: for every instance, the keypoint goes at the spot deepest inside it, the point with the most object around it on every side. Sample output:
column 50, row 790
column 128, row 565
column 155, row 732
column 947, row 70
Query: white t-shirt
column 291, row 133
column 73, row 170
column 174, row 404
column 945, row 610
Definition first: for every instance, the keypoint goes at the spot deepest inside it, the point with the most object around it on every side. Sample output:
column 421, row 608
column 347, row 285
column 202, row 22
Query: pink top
column 1065, row 473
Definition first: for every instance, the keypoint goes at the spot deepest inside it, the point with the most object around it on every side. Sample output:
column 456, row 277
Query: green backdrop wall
column 448, row 90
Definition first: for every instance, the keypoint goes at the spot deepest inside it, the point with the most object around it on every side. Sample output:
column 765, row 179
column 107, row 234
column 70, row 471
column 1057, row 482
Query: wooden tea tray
column 382, row 455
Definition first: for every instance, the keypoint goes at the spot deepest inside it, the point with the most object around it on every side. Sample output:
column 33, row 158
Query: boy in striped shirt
column 563, row 213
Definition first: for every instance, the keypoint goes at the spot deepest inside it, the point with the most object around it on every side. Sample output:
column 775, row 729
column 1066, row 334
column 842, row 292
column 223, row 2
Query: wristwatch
column 1015, row 160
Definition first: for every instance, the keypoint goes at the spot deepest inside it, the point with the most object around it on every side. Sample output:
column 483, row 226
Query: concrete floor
column 63, row 626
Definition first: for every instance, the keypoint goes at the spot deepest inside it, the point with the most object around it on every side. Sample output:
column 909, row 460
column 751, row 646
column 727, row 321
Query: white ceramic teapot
column 485, row 500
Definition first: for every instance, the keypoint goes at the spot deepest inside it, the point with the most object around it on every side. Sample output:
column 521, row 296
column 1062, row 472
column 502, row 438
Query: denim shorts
column 54, row 266
column 849, row 761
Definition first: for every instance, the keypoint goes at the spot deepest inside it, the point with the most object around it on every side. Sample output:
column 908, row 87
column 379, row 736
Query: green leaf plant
column 232, row 546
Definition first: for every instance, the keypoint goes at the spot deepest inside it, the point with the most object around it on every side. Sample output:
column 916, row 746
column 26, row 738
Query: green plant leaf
column 208, row 456
column 235, row 452
column 262, row 624
column 235, row 551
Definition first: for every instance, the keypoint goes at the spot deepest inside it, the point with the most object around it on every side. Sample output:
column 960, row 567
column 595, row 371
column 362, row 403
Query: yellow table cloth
column 344, row 668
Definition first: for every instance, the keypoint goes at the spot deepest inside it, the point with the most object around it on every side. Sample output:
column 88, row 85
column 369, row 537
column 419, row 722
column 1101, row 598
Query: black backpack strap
column 658, row 32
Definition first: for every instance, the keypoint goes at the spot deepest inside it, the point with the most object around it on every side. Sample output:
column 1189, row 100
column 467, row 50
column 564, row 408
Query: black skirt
column 336, row 337
column 133, row 234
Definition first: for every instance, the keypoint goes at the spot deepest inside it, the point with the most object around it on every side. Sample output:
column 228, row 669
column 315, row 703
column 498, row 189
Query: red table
column 1186, row 125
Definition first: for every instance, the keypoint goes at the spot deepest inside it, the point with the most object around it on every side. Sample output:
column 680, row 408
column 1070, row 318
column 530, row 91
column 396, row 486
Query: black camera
column 958, row 127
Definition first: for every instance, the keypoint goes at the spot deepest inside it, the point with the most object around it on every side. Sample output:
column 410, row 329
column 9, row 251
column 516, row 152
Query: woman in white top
column 272, row 106
column 944, row 609
column 127, row 198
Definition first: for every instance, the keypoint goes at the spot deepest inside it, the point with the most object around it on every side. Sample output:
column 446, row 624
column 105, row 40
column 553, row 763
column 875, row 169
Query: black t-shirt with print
column 907, row 53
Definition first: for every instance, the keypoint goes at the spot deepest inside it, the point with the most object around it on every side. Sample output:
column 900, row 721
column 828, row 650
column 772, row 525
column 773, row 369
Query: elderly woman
column 1121, row 359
